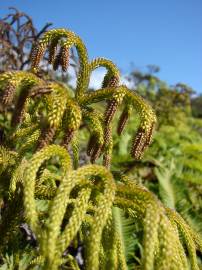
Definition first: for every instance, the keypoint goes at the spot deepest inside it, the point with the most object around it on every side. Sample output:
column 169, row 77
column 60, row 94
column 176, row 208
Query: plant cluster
column 82, row 205
column 172, row 166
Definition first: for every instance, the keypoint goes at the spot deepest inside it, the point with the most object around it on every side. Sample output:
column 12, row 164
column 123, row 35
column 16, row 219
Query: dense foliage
column 60, row 210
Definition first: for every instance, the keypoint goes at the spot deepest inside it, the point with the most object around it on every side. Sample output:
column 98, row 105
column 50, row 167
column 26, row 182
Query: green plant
column 87, row 204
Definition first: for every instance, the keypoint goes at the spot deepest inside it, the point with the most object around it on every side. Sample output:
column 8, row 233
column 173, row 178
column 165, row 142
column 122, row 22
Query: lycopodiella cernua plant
column 83, row 205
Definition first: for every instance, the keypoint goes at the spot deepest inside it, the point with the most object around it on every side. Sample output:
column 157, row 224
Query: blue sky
column 164, row 33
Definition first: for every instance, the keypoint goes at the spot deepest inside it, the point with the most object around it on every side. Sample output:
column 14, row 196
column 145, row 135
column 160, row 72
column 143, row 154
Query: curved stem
column 103, row 62
column 84, row 72
column 102, row 94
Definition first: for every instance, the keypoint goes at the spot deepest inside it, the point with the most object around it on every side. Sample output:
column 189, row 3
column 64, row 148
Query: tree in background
column 17, row 35
column 196, row 104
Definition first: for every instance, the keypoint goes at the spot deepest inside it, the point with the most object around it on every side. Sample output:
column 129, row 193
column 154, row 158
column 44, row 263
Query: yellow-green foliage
column 81, row 202
column 53, row 108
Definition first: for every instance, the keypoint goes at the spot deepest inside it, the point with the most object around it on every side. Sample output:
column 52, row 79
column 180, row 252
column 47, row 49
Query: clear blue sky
column 167, row 33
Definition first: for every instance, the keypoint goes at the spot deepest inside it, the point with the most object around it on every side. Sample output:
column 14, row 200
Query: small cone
column 37, row 54
column 106, row 160
column 52, row 51
column 110, row 111
column 96, row 153
column 46, row 137
column 122, row 122
column 150, row 134
column 68, row 137
column 64, row 58
column 57, row 60
column 91, row 145
column 138, row 145
column 8, row 94
column 110, row 81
